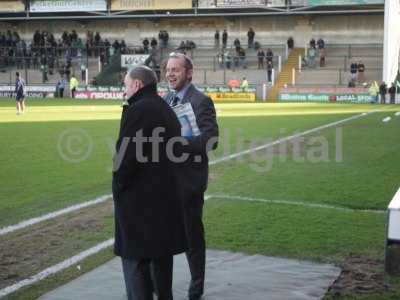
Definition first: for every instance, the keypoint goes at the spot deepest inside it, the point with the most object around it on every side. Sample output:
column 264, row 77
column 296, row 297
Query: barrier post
column 293, row 76
column 286, row 51
column 273, row 77
column 300, row 63
column 264, row 92
column 279, row 63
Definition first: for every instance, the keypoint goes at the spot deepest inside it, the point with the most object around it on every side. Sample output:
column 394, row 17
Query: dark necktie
column 175, row 100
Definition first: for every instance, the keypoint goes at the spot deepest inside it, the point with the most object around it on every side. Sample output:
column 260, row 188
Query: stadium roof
column 195, row 12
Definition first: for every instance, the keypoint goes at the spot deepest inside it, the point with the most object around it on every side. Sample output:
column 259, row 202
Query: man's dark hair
column 144, row 74
column 17, row 74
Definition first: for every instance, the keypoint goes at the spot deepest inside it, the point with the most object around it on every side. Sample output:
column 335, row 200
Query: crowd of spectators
column 224, row 38
column 51, row 55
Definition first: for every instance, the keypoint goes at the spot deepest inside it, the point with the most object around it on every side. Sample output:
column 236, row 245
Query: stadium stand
column 347, row 36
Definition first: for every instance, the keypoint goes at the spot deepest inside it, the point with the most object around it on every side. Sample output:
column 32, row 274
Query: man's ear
column 190, row 73
column 139, row 84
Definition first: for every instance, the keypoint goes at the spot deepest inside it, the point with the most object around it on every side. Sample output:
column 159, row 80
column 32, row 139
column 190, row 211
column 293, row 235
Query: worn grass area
column 59, row 153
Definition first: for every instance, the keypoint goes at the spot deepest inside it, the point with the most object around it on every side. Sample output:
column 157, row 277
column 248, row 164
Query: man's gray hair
column 188, row 62
column 144, row 74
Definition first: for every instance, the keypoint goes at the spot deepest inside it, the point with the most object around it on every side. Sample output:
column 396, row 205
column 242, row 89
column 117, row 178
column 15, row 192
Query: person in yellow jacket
column 374, row 91
column 73, row 84
column 245, row 84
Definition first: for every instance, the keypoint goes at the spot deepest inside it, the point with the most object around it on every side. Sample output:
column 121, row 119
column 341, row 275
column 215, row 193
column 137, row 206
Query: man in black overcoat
column 149, row 226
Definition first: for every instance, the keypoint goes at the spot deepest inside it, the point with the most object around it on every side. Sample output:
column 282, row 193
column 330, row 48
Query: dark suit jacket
column 147, row 198
column 194, row 175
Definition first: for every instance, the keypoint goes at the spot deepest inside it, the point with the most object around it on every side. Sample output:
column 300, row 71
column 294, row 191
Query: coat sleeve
column 207, row 122
column 125, row 161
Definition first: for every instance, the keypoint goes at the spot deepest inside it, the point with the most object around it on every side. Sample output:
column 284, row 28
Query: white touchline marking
column 288, row 138
column 298, row 203
column 36, row 220
column 56, row 268
column 52, row 215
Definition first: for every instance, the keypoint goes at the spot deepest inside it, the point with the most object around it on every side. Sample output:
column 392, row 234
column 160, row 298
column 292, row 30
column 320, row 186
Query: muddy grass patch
column 360, row 276
column 29, row 251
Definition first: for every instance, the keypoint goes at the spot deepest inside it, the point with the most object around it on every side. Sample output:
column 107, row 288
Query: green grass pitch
column 59, row 153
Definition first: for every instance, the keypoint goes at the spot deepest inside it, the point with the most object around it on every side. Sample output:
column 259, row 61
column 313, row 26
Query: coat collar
column 147, row 90
column 188, row 93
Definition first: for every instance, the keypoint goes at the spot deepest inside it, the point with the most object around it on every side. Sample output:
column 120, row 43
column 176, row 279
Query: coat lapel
column 188, row 94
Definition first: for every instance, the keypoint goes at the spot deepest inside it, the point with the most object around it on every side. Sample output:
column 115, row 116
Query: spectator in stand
column 322, row 52
column 392, row 93
column 89, row 43
column 79, row 47
column 62, row 83
column 361, row 70
column 290, row 43
column 269, row 55
column 146, row 44
column 160, row 38
column 220, row 60
column 166, row 38
column 270, row 67
column 74, row 36
column 353, row 71
column 260, row 56
column 190, row 45
column 312, row 43
column 44, row 68
column 103, row 58
column 163, row 37
column 383, row 92
column 83, row 72
column 351, row 84
column 97, row 40
column 124, row 48
column 236, row 43
column 227, row 59
column 374, row 91
column 153, row 43
column 154, row 59
column 107, row 46
column 50, row 61
column 64, row 37
column 321, row 44
column 116, row 45
column 182, row 47
column 73, row 84
column 245, row 84
column 216, row 39
column 250, row 37
column 242, row 58
column 36, row 38
column 93, row 81
column 67, row 71
column 312, row 54
column 322, row 57
column 224, row 38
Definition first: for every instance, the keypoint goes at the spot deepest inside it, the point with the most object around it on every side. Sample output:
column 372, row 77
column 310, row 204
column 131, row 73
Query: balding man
column 194, row 173
column 148, row 208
